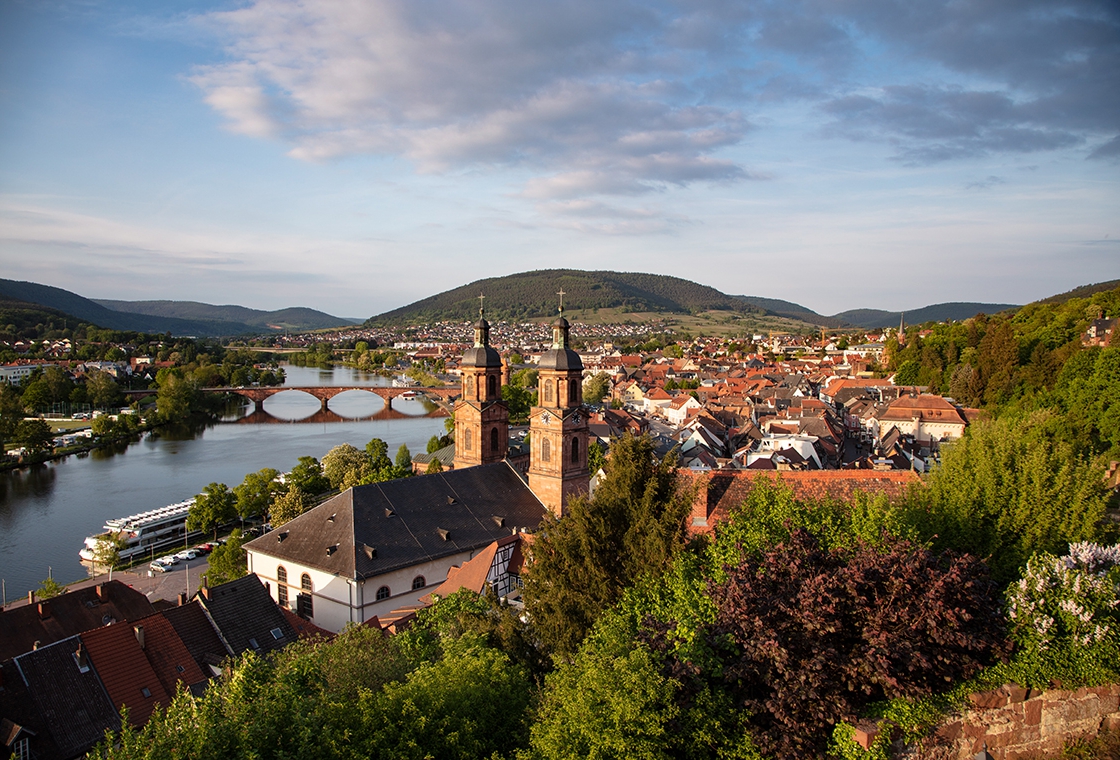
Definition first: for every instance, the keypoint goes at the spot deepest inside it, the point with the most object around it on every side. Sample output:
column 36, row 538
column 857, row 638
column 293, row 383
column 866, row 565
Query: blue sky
column 356, row 156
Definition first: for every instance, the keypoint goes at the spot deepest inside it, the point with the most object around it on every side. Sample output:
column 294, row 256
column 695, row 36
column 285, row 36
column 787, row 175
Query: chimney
column 139, row 631
column 102, row 591
column 205, row 591
column 31, row 597
column 182, row 598
column 44, row 610
column 35, row 646
column 82, row 657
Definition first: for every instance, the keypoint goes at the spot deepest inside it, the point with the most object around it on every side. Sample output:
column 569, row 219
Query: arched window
column 494, row 442
column 304, row 605
column 548, row 391
column 282, row 586
column 467, row 438
column 418, row 582
column 573, row 391
column 546, row 450
column 383, row 593
column 491, row 387
column 575, row 451
column 474, row 386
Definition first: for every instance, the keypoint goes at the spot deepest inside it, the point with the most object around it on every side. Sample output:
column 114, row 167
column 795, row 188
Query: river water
column 46, row 512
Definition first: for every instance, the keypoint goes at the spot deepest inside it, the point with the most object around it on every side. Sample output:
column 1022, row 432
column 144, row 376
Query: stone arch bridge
column 258, row 393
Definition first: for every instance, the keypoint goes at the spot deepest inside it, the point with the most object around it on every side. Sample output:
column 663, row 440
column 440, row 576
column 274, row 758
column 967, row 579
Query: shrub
column 812, row 635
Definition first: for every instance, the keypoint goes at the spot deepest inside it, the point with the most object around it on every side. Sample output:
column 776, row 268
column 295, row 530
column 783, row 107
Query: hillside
column 294, row 319
column 21, row 319
column 1082, row 292
column 780, row 308
column 941, row 312
column 534, row 294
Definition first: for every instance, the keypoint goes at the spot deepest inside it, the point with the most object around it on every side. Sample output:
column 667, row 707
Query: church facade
column 380, row 547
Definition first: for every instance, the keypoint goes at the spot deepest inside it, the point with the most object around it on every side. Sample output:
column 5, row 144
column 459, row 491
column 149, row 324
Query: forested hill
column 534, row 294
column 941, row 312
column 282, row 319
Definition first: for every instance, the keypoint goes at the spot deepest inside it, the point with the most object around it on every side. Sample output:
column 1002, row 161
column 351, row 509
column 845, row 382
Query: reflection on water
column 47, row 511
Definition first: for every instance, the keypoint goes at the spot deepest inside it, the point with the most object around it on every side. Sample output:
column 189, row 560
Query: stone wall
column 1019, row 723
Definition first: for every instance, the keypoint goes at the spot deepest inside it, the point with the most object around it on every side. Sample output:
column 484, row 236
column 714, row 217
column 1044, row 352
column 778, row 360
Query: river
column 46, row 512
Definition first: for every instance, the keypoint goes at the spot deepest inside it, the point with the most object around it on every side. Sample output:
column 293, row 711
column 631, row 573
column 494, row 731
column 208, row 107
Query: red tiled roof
column 125, row 671
column 168, row 655
column 305, row 629
column 727, row 489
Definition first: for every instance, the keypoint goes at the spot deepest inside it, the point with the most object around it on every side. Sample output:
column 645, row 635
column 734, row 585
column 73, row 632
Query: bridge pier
column 323, row 404
column 258, row 405
column 388, row 402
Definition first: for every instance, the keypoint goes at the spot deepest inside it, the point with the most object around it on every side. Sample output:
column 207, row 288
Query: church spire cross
column 561, row 294
column 480, row 305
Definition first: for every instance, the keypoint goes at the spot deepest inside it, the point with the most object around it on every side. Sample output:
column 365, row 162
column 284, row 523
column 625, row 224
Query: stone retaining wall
column 1019, row 723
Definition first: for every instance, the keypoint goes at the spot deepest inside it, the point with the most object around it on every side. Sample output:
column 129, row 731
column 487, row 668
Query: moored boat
column 145, row 533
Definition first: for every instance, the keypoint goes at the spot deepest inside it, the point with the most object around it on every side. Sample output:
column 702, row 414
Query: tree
column 50, row 588
column 404, row 459
column 519, row 400
column 597, row 386
column 107, row 552
column 255, row 492
column 102, row 426
column 308, row 477
column 227, row 561
column 634, row 525
column 434, row 466
column 11, row 412
column 434, row 444
column 34, row 435
column 345, row 466
column 102, row 389
column 596, row 457
column 378, row 452
column 212, row 508
column 288, row 505
column 810, row 636
column 176, row 396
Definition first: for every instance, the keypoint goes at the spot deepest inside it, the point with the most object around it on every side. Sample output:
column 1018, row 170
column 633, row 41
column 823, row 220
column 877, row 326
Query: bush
column 811, row 636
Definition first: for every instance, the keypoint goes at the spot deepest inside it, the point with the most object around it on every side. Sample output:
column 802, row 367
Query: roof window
column 253, row 643
column 277, row 633
column 146, row 692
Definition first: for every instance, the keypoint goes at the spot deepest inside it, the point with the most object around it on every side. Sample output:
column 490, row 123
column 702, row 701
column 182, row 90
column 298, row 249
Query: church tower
column 558, row 431
column 481, row 417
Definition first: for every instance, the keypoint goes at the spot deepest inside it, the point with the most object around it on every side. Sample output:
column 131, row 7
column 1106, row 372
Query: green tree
column 107, row 552
column 378, row 452
column 102, row 390
column 255, row 492
column 308, row 477
column 227, row 562
column 597, row 386
column 34, row 435
column 176, row 396
column 596, row 457
column 50, row 588
column 212, row 508
column 635, row 524
column 11, row 412
column 519, row 400
column 288, row 505
column 345, row 466
column 404, row 459
column 434, row 444
column 434, row 466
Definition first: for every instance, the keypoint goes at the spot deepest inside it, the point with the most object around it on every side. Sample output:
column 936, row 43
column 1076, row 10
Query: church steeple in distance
column 481, row 417
column 558, row 424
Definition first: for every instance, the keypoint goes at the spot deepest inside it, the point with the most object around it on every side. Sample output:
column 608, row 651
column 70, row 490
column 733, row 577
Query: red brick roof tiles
column 125, row 671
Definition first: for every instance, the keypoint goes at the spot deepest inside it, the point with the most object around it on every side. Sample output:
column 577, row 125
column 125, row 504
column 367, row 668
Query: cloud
column 592, row 98
column 984, row 184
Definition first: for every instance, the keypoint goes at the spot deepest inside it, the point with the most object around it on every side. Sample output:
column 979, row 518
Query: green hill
column 294, row 319
column 941, row 312
column 22, row 320
column 792, row 310
column 534, row 294
column 1083, row 292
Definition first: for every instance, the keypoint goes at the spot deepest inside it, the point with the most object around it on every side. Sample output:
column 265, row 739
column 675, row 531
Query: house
column 926, row 417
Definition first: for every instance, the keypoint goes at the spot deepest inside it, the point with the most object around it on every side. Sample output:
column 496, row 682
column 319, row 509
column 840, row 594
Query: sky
column 356, row 155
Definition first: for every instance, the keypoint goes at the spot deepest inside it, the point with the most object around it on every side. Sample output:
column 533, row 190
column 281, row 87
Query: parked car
column 169, row 560
column 204, row 548
column 187, row 554
column 158, row 567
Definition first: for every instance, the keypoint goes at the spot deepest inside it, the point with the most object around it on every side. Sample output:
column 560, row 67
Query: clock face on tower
column 546, row 418
column 576, row 418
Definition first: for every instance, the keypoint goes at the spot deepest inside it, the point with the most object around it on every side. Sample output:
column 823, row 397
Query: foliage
column 11, row 411
column 813, row 635
column 212, row 508
column 107, row 551
column 1072, row 598
column 308, row 476
column 356, row 696
column 433, row 467
column 256, row 492
column 1010, row 488
column 597, row 386
column 49, row 589
column 434, row 445
column 288, row 505
column 177, row 394
column 227, row 561
column 596, row 457
column 102, row 390
column 345, row 466
column 634, row 525
column 519, row 400
column 404, row 458
column 1088, row 392
column 34, row 435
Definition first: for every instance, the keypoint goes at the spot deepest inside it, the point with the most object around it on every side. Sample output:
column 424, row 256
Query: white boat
column 409, row 394
column 145, row 533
